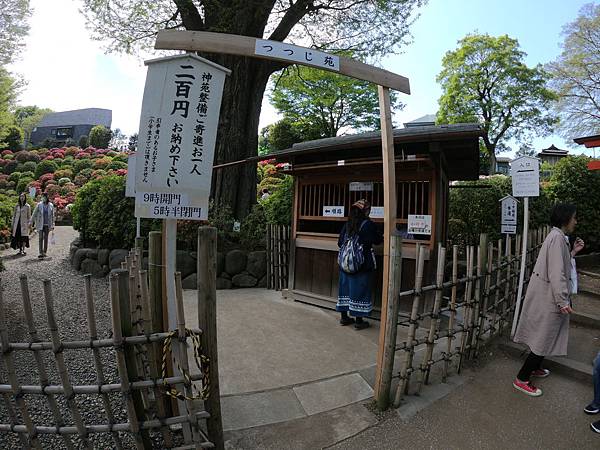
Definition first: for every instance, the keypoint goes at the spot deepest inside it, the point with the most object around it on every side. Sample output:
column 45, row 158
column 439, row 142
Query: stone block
column 190, row 282
column 80, row 255
column 117, row 257
column 92, row 267
column 257, row 264
column 235, row 262
column 103, row 255
column 244, row 280
column 185, row 263
column 93, row 254
column 262, row 283
column 223, row 283
column 220, row 262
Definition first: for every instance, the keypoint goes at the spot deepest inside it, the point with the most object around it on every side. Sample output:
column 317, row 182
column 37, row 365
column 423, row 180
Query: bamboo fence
column 468, row 309
column 141, row 356
column 278, row 256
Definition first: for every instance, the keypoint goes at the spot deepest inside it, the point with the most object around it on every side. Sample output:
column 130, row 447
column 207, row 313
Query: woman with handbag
column 20, row 225
column 357, row 265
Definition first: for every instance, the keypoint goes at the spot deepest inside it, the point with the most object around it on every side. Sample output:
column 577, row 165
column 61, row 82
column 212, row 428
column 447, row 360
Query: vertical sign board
column 509, row 215
column 525, row 173
column 178, row 127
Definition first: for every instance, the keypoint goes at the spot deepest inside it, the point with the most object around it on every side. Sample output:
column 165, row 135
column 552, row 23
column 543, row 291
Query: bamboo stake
column 508, row 284
column 412, row 331
column 135, row 317
column 9, row 363
column 452, row 319
column 487, row 281
column 435, row 320
column 269, row 258
column 468, row 306
column 96, row 353
column 207, row 321
column 474, row 325
column 496, row 326
column 12, row 416
column 153, row 364
column 184, row 362
column 116, row 278
column 43, row 375
column 62, row 367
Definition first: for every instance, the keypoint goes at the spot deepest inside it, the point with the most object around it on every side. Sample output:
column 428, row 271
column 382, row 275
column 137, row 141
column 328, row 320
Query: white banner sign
column 178, row 128
column 302, row 55
column 376, row 212
column 333, row 211
column 361, row 186
column 525, row 172
column 419, row 224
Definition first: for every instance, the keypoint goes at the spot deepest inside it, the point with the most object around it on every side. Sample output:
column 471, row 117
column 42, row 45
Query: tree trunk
column 237, row 136
column 492, row 153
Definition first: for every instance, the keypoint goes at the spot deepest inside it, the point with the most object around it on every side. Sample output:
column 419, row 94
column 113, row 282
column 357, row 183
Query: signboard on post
column 361, row 186
column 525, row 172
column 178, row 128
column 509, row 215
column 333, row 211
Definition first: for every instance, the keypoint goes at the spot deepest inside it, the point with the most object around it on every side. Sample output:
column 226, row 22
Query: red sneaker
column 527, row 388
column 540, row 373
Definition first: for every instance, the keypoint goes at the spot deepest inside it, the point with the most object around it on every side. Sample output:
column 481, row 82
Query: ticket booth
column 331, row 174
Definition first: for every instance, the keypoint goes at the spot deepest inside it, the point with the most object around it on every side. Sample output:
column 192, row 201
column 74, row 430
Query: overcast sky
column 66, row 70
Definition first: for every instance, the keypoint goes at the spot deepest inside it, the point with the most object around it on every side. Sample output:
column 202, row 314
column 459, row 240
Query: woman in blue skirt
column 354, row 295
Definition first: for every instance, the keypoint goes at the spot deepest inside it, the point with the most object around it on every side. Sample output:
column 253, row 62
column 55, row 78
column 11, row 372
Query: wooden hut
column 331, row 174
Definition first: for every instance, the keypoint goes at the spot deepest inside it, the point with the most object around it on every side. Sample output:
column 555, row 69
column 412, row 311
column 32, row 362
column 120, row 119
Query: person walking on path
column 43, row 220
column 594, row 407
column 544, row 322
column 355, row 286
column 20, row 225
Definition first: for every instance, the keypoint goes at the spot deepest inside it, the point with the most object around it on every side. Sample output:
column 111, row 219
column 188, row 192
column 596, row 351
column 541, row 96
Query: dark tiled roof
column 88, row 116
column 425, row 120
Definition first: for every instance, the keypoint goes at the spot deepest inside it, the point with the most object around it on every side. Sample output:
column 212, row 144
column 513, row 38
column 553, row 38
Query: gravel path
column 70, row 310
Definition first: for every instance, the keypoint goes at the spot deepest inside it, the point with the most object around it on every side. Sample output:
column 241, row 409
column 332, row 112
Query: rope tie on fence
column 201, row 360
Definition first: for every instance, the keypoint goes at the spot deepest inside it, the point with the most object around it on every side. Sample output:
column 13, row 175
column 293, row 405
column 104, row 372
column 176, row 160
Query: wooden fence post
column 383, row 377
column 207, row 321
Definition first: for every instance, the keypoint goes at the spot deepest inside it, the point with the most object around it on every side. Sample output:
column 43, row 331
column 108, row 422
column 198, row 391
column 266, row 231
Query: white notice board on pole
column 525, row 173
column 176, row 144
column 509, row 215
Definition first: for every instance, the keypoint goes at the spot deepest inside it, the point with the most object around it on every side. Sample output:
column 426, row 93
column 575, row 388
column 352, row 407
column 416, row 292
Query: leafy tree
column 576, row 75
column 100, row 136
column 46, row 166
column 13, row 28
column 525, row 150
column 485, row 80
column 285, row 133
column 367, row 27
column 13, row 138
column 27, row 118
column 278, row 207
column 9, row 91
column 118, row 139
column 133, row 142
column 329, row 102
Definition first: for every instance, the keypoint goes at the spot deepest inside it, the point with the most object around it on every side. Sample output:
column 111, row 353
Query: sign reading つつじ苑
column 176, row 143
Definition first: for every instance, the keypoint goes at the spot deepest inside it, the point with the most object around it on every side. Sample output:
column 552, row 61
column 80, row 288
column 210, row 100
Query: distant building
column 425, row 121
column 552, row 155
column 503, row 165
column 70, row 124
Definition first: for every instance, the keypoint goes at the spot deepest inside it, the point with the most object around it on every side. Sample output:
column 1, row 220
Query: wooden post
column 207, row 321
column 452, row 312
column 269, row 258
column 389, row 221
column 391, row 327
column 126, row 330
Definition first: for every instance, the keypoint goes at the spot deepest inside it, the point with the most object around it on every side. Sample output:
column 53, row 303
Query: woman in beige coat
column 544, row 321
column 20, row 225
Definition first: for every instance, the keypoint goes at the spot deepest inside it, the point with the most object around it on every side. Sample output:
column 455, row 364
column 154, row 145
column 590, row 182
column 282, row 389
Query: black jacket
column 368, row 236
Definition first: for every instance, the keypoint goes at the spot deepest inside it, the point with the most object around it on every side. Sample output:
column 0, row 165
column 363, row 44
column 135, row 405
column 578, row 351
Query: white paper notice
column 361, row 186
column 333, row 211
column 419, row 224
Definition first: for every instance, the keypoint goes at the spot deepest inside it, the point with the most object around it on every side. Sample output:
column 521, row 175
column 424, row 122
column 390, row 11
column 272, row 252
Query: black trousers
column 533, row 362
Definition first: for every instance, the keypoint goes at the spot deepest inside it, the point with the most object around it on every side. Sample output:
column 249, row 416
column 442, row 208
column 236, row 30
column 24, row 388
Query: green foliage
column 82, row 164
column 10, row 167
column 83, row 141
column 13, row 138
column 100, row 137
column 14, row 177
column 63, row 173
column 116, row 165
column 14, row 29
column 253, row 229
column 23, row 184
column 64, row 181
column 572, row 182
column 80, row 210
column 485, row 80
column 29, row 166
column 28, row 117
column 575, row 75
column 278, row 207
column 111, row 219
column 45, row 166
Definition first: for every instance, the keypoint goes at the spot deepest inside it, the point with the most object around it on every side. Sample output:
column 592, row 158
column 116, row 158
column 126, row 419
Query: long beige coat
column 541, row 325
column 25, row 214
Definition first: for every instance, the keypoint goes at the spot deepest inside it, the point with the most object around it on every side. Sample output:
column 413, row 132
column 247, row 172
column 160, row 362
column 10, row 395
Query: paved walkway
column 280, row 360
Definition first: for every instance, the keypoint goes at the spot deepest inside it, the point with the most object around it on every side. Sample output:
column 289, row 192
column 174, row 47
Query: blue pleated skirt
column 354, row 294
